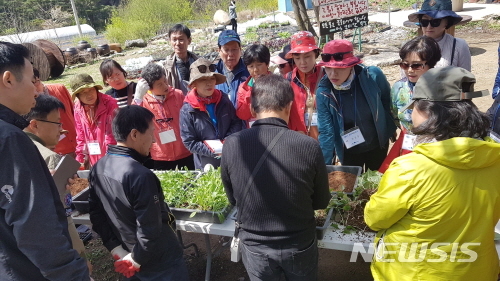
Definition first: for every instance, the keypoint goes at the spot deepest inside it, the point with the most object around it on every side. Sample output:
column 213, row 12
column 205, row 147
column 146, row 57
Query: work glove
column 127, row 266
column 141, row 89
column 119, row 253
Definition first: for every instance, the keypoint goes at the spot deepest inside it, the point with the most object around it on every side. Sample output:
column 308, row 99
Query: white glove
column 119, row 253
column 141, row 89
column 129, row 258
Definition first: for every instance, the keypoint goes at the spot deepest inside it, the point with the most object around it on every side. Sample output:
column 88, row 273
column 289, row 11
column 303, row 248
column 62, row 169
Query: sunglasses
column 414, row 66
column 164, row 120
column 433, row 22
column 204, row 68
column 336, row 56
column 282, row 65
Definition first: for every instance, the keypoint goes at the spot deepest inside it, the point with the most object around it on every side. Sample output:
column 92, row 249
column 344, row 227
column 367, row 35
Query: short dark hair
column 129, row 118
column 256, row 53
column 152, row 72
column 12, row 58
column 45, row 104
column 425, row 47
column 449, row 119
column 179, row 28
column 271, row 93
column 106, row 69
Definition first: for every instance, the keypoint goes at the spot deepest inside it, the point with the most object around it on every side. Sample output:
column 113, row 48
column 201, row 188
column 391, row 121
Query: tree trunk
column 298, row 16
column 305, row 17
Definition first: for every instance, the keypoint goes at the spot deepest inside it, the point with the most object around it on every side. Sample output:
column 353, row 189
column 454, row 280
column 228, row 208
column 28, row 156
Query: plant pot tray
column 201, row 216
column 356, row 170
column 320, row 230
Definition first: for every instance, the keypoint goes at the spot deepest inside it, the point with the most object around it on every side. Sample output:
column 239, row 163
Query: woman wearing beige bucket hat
column 94, row 112
column 354, row 109
column 207, row 114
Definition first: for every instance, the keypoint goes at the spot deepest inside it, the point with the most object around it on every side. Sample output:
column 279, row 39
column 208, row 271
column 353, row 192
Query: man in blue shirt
column 231, row 65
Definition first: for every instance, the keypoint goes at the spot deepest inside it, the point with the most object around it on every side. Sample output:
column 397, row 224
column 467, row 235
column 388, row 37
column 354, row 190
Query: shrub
column 142, row 19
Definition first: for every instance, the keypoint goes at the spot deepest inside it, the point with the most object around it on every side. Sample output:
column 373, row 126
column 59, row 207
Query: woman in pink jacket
column 94, row 114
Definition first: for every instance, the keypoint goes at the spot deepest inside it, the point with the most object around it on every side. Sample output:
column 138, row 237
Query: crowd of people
column 278, row 133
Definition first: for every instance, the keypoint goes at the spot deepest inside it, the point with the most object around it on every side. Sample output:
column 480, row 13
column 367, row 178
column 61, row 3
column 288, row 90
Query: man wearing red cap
column 354, row 116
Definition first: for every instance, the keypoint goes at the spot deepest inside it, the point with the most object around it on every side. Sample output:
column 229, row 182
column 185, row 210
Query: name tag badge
column 62, row 136
column 353, row 137
column 494, row 136
column 167, row 136
column 314, row 119
column 408, row 142
column 94, row 148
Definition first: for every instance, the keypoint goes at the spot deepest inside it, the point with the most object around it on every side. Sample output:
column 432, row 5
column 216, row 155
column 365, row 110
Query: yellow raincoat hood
column 445, row 198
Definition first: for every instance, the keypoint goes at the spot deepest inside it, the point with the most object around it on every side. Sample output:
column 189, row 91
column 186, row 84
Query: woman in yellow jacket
column 436, row 208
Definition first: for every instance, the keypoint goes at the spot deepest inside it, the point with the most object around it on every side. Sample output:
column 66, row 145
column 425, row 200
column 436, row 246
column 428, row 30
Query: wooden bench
column 451, row 30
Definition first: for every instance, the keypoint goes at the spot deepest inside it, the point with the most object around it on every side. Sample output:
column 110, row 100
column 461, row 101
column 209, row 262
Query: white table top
column 333, row 239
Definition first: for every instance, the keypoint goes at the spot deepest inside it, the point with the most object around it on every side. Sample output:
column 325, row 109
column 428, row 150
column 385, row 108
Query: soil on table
column 355, row 217
column 78, row 185
column 341, row 181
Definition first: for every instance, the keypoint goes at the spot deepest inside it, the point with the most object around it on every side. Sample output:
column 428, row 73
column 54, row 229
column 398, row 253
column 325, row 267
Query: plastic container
column 81, row 200
column 356, row 170
column 202, row 216
column 320, row 230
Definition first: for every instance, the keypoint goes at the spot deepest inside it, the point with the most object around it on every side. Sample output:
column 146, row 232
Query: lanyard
column 355, row 103
column 161, row 109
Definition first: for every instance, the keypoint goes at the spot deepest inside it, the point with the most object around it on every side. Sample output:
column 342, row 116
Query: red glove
column 118, row 253
column 127, row 266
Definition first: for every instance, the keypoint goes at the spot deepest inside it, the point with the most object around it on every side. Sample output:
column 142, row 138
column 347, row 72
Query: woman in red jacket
column 304, row 78
column 94, row 112
column 165, row 102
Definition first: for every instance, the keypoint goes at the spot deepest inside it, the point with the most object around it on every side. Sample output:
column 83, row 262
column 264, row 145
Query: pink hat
column 338, row 54
column 302, row 42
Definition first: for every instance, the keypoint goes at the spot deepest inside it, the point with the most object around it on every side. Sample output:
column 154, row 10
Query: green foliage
column 142, row 19
column 264, row 25
column 251, row 37
column 284, row 35
column 251, row 29
column 368, row 180
column 260, row 5
column 182, row 190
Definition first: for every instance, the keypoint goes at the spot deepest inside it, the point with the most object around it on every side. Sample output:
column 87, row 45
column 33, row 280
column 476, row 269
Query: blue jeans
column 268, row 262
column 176, row 271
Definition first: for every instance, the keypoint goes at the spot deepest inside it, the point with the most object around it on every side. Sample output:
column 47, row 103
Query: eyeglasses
column 336, row 56
column 113, row 77
column 414, row 66
column 203, row 68
column 164, row 120
column 433, row 22
column 46, row 121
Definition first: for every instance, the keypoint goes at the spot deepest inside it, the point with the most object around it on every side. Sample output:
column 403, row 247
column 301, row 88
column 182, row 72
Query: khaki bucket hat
column 204, row 68
column 80, row 82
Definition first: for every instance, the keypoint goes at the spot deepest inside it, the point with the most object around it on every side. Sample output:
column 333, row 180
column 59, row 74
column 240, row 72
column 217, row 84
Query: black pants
column 235, row 25
column 171, row 165
column 367, row 160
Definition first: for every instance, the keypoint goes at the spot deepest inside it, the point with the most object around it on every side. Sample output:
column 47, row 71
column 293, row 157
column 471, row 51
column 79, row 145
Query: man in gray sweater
column 276, row 211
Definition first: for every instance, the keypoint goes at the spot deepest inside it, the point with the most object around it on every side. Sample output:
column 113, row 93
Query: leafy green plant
column 264, row 25
column 174, row 185
column 251, row 37
column 284, row 35
column 251, row 29
column 349, row 209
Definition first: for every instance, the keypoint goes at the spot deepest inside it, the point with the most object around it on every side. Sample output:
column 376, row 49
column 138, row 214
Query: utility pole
column 76, row 17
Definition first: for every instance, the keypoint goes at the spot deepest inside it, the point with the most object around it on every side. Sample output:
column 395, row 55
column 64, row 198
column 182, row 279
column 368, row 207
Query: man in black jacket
column 276, row 215
column 127, row 207
column 34, row 239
